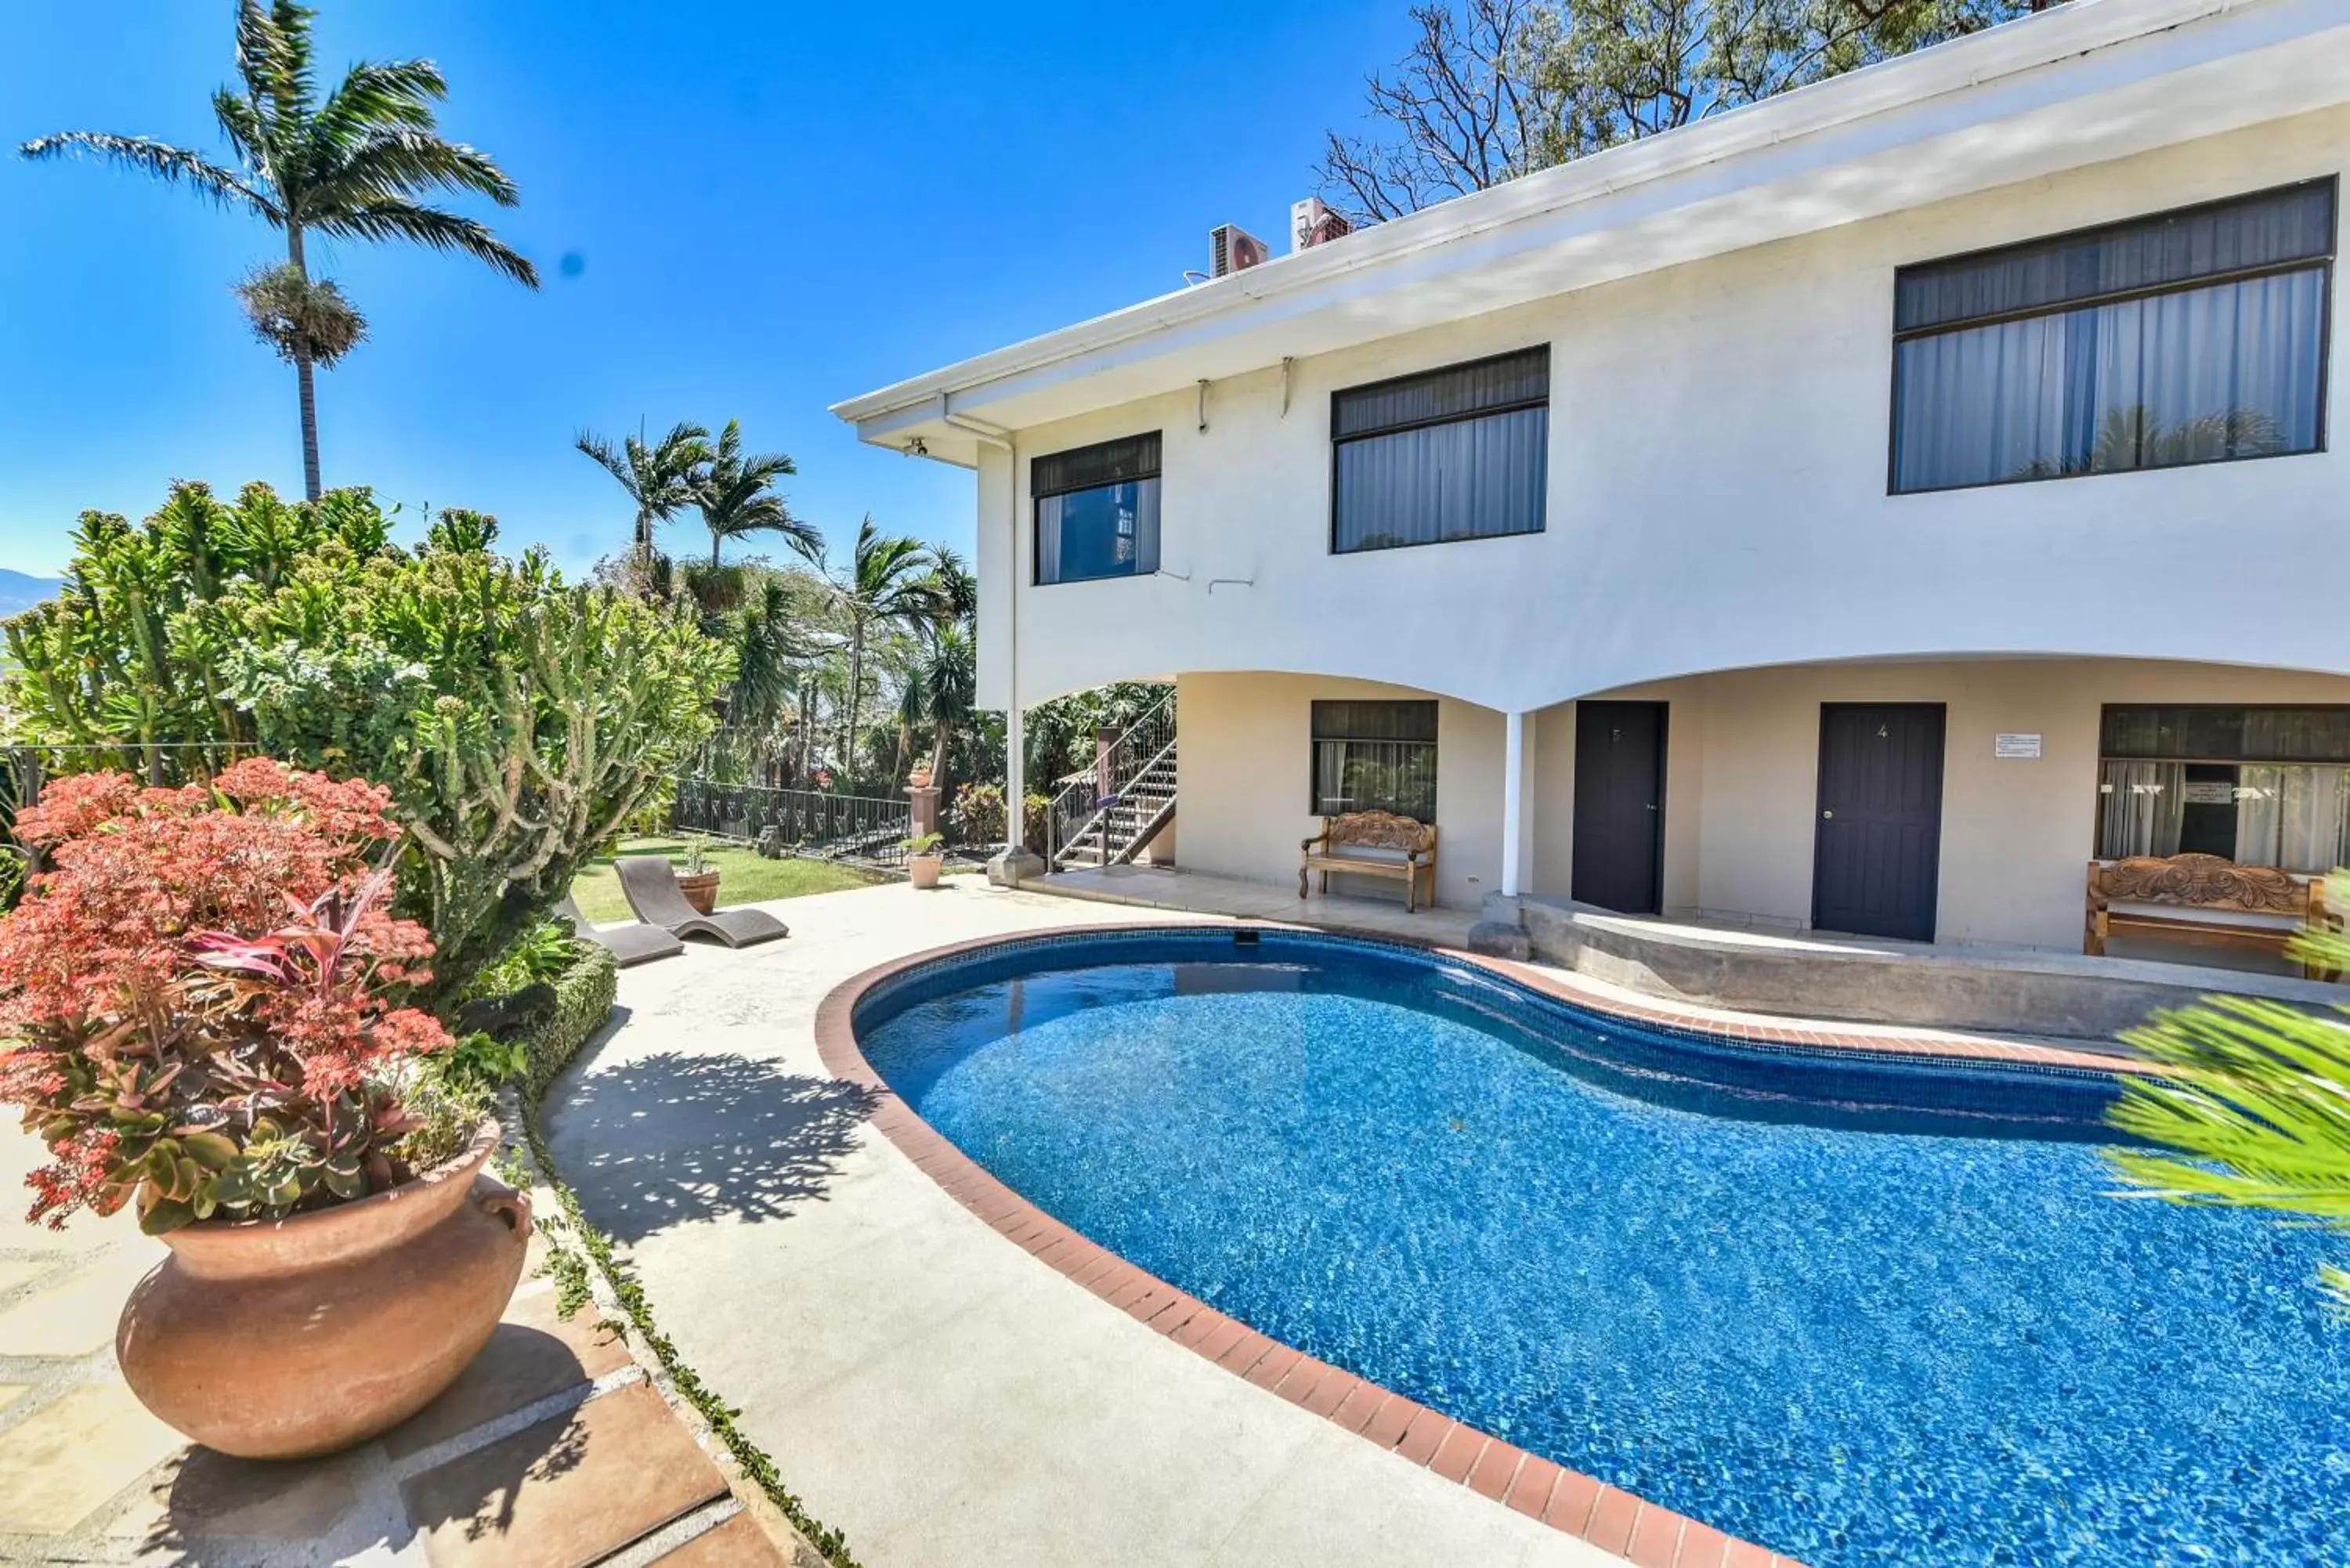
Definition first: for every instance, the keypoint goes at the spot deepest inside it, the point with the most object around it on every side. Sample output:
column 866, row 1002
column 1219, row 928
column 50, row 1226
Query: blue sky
column 772, row 207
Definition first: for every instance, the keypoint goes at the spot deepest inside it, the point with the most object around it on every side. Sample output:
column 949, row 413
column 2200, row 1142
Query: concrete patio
column 1166, row 887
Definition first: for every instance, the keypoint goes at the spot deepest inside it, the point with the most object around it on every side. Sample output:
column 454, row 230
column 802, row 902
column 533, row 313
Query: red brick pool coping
column 1607, row 1517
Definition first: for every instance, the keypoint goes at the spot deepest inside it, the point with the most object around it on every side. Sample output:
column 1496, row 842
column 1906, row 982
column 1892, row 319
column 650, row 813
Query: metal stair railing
column 1085, row 807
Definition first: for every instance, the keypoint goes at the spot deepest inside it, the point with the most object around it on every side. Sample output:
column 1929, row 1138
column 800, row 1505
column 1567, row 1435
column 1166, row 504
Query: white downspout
column 1016, row 783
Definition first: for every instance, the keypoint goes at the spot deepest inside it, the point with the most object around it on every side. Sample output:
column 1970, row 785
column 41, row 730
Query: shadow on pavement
column 672, row 1138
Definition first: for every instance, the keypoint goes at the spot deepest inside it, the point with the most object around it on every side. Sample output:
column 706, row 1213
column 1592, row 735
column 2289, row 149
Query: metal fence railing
column 814, row 824
column 1083, row 798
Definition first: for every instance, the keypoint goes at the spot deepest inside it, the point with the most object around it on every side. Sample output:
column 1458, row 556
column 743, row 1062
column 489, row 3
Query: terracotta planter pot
column 924, row 869
column 701, row 890
column 285, row 1338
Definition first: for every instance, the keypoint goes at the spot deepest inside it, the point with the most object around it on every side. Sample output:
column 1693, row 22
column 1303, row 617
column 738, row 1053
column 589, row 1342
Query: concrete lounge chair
column 651, row 887
column 629, row 944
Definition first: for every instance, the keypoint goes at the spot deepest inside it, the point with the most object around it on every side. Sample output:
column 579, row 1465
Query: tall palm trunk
column 855, row 691
column 305, row 377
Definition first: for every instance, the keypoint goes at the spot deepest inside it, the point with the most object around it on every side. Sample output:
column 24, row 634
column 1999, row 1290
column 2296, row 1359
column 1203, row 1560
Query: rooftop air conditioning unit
column 1231, row 248
column 1311, row 223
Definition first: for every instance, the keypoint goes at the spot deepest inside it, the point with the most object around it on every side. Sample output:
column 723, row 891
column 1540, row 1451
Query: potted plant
column 919, row 777
column 698, row 879
column 199, row 1015
column 924, row 859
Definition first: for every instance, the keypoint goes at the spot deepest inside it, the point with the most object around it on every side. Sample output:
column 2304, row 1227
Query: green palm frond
column 172, row 165
column 375, row 96
column 389, row 165
column 663, row 479
column 2248, row 1107
column 390, row 218
column 738, row 496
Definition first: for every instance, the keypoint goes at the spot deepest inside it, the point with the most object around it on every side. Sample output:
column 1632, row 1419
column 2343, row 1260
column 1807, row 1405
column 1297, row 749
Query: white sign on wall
column 2015, row 747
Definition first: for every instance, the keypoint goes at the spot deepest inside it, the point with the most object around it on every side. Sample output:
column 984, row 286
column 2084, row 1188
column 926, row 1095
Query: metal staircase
column 1109, row 815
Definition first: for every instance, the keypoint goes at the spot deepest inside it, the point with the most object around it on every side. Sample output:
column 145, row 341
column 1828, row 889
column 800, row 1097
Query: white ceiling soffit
column 2095, row 80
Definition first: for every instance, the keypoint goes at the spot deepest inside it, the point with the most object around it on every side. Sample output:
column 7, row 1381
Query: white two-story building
column 1855, row 512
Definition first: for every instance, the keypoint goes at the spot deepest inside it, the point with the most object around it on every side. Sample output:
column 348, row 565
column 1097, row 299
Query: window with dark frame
column 1457, row 454
column 2190, row 337
column 2257, row 785
column 1096, row 511
column 1374, row 756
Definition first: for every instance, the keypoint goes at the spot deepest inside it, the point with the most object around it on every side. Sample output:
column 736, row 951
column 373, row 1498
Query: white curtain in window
column 1467, row 479
column 2229, row 370
column 2295, row 818
column 1145, row 527
column 1048, row 537
column 2145, row 803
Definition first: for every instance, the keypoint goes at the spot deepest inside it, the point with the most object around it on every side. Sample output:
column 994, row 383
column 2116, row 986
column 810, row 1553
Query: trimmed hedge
column 584, row 993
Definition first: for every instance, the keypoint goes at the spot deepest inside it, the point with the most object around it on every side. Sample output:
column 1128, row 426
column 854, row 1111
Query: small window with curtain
column 1097, row 511
column 1374, row 756
column 2260, row 786
column 1457, row 453
column 2192, row 336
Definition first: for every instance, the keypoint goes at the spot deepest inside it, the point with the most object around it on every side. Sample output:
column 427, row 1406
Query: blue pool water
column 1859, row 1315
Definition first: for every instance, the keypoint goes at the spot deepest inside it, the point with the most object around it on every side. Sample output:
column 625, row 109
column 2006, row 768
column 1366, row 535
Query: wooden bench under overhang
column 1373, row 843
column 2205, row 889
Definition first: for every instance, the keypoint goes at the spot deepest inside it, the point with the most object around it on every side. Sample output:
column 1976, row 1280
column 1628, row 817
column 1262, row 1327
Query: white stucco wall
column 1742, row 781
column 1244, row 782
column 1717, row 495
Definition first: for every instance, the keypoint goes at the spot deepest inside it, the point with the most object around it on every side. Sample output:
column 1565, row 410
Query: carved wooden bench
column 1373, row 843
column 2206, row 883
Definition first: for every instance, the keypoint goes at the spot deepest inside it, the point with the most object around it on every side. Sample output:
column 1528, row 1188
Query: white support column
column 1513, row 800
column 1016, row 783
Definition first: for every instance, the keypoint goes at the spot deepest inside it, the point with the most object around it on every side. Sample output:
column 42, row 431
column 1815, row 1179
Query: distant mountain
column 19, row 591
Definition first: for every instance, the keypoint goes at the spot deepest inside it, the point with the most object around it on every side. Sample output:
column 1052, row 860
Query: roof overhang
column 2094, row 80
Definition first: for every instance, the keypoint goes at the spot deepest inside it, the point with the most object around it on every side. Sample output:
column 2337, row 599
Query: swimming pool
column 1856, row 1311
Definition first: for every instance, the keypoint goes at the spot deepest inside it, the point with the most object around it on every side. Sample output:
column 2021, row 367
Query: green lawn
column 744, row 877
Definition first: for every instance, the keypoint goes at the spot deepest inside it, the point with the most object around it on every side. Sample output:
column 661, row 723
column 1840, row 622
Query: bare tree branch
column 1492, row 89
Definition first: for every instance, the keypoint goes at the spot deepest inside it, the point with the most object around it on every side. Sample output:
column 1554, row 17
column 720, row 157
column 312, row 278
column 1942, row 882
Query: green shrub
column 519, row 721
column 584, row 993
column 538, row 954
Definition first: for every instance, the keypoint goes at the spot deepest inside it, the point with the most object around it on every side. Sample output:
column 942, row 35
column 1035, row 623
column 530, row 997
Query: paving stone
column 63, row 1460
column 565, row 1491
column 74, row 1315
column 14, row 1271
column 204, row 1496
column 531, row 1354
column 737, row 1543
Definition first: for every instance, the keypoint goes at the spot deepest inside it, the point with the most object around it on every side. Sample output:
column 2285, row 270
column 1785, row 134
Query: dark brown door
column 1619, row 805
column 1877, row 842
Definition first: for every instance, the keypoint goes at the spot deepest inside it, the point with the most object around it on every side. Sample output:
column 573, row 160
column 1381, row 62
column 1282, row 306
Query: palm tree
column 664, row 480
column 738, row 496
column 942, row 693
column 768, row 651
column 890, row 584
column 350, row 168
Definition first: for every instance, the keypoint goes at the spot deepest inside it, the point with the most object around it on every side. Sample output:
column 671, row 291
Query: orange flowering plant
column 198, row 999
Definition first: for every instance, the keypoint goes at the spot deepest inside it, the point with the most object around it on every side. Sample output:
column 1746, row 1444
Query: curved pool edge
column 1576, row 1504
